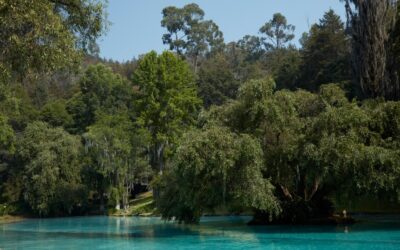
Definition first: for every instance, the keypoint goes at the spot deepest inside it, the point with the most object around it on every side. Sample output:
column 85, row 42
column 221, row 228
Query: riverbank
column 143, row 205
column 11, row 219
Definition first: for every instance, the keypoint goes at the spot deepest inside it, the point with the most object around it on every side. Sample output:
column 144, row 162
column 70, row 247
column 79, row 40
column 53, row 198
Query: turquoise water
column 213, row 233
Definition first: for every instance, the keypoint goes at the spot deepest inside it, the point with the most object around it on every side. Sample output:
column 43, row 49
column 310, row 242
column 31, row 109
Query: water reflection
column 212, row 233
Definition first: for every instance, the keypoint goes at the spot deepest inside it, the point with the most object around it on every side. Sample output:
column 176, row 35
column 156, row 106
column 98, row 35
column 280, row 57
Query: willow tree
column 51, row 172
column 215, row 169
column 371, row 25
column 116, row 150
column 315, row 145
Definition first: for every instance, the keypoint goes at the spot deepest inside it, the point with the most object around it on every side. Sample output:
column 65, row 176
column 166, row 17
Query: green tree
column 16, row 104
column 167, row 103
column 314, row 145
column 277, row 31
column 216, row 81
column 51, row 173
column 55, row 114
column 243, row 65
column 7, row 147
column 117, row 149
column 101, row 91
column 215, row 169
column 7, row 137
column 284, row 65
column 281, row 59
column 325, row 53
column 42, row 36
column 252, row 46
column 188, row 33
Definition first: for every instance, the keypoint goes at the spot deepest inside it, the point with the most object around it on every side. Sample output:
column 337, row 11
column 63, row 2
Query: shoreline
column 7, row 219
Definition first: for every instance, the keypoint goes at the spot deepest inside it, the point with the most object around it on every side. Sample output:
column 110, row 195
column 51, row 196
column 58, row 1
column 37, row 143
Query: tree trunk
column 157, row 157
column 160, row 157
column 371, row 23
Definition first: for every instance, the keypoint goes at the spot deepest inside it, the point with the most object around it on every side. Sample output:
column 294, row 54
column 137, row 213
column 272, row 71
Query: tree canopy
column 215, row 169
column 167, row 100
column 264, row 126
column 47, row 35
column 277, row 31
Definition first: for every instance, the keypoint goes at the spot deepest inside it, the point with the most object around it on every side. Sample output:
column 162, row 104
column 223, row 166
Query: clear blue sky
column 136, row 28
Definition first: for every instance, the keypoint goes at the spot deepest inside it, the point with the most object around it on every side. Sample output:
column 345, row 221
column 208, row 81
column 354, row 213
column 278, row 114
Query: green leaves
column 47, row 35
column 7, row 137
column 188, row 33
column 101, row 91
column 315, row 145
column 55, row 114
column 216, row 81
column 278, row 32
column 325, row 53
column 167, row 103
column 115, row 147
column 215, row 169
column 51, row 169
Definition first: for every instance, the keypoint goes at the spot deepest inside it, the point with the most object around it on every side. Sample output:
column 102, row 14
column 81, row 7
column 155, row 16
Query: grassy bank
column 142, row 205
column 10, row 219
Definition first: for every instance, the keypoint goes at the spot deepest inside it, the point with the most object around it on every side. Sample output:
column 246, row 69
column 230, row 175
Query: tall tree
column 188, row 33
column 167, row 103
column 277, row 31
column 371, row 24
column 116, row 149
column 325, row 53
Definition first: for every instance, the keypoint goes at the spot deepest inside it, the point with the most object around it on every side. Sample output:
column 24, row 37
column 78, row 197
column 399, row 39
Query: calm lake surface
column 379, row 232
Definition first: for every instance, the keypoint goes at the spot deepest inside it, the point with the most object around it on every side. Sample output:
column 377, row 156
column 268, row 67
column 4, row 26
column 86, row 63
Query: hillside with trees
column 263, row 126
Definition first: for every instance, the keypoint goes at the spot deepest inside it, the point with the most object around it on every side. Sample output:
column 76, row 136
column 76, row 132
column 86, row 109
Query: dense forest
column 263, row 125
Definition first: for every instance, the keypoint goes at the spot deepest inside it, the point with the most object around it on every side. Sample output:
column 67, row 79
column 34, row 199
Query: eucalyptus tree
column 281, row 59
column 253, row 46
column 277, row 32
column 189, row 34
column 167, row 101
